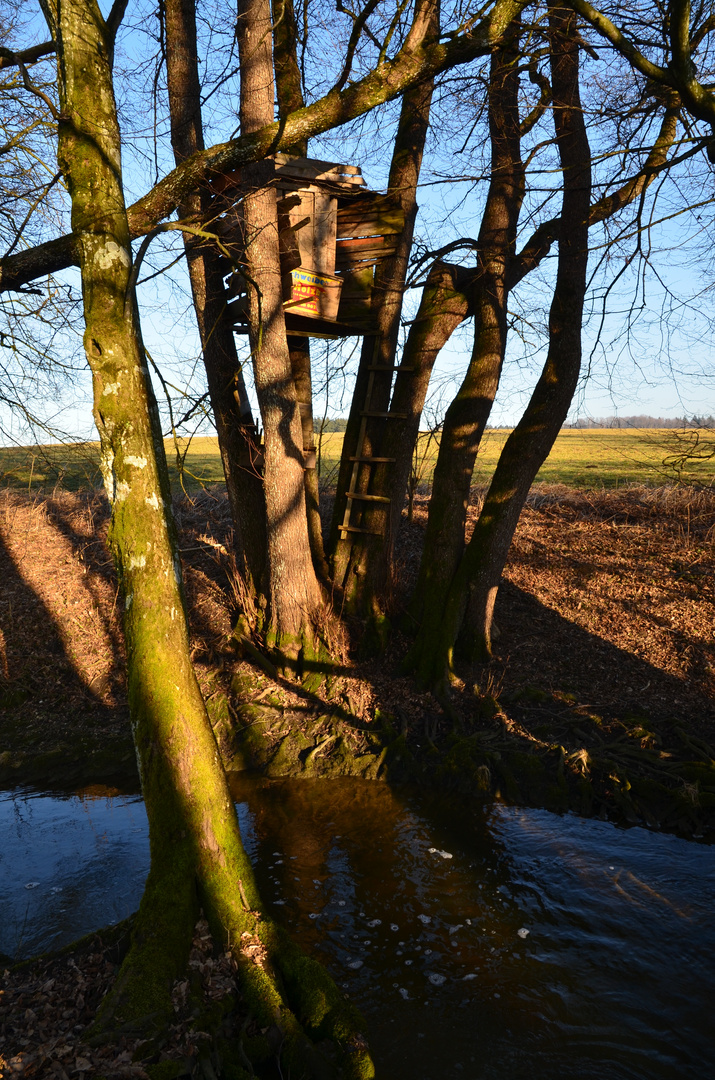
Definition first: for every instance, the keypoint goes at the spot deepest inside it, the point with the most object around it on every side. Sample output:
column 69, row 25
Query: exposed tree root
column 289, row 999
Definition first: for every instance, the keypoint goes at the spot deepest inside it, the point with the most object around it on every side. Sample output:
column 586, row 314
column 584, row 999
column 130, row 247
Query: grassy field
column 584, row 459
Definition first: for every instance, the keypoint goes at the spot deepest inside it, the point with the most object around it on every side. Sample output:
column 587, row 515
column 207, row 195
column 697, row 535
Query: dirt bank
column 601, row 699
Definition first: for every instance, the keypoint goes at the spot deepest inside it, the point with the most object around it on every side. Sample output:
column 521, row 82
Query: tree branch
column 385, row 84
column 115, row 17
column 626, row 48
column 32, row 89
column 8, row 58
column 541, row 240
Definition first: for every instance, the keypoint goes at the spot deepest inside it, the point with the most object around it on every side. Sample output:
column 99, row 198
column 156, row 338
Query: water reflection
column 501, row 943
column 544, row 947
column 68, row 864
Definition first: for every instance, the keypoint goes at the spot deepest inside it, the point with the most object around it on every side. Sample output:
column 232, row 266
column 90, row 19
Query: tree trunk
column 477, row 578
column 290, row 98
column 296, row 603
column 467, row 415
column 229, row 401
column 447, row 300
column 360, row 560
column 196, row 851
column 299, row 350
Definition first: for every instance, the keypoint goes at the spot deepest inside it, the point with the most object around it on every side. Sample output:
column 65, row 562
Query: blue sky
column 651, row 353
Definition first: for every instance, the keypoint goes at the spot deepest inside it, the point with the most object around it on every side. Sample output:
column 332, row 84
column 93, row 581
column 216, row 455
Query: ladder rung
column 367, row 498
column 357, row 529
column 386, row 415
column 380, row 459
column 388, row 367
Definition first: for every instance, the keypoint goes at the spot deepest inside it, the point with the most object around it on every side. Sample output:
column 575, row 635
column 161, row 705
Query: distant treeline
column 644, row 422
column 678, row 422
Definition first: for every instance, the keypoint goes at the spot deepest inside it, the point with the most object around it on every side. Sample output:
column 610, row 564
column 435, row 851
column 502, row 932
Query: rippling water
column 479, row 943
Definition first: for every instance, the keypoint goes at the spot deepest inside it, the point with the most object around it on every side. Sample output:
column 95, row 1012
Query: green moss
column 531, row 693
column 387, row 724
column 375, row 637
column 696, row 772
column 287, row 761
column 322, row 1009
column 139, row 1000
column 244, row 685
column 488, row 707
column 219, row 713
column 166, row 1070
column 231, row 1064
column 316, row 665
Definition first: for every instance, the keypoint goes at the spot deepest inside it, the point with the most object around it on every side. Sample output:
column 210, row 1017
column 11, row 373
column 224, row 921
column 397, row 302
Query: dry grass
column 586, row 459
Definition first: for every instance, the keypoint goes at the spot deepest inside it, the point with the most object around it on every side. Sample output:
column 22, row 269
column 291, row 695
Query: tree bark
column 299, row 351
column 196, row 851
column 235, row 427
column 290, row 98
column 467, row 416
column 359, row 561
column 477, row 578
column 296, row 603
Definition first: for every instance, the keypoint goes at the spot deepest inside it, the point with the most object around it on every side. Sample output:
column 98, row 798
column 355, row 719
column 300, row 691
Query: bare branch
column 626, row 48
column 8, row 58
column 395, row 76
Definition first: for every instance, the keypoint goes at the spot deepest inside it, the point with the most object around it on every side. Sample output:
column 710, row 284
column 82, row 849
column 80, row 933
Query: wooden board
column 363, row 250
column 358, row 283
column 312, row 169
column 311, row 214
column 369, row 215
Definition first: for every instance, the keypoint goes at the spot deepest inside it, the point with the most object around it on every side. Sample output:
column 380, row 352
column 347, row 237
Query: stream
column 479, row 942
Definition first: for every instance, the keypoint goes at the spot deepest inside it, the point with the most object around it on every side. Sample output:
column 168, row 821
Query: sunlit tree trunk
column 197, row 858
column 477, row 578
column 360, row 560
column 229, row 401
column 296, row 603
column 289, row 94
column 467, row 415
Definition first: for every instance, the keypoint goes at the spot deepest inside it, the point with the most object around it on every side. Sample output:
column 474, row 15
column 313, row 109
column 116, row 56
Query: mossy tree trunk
column 296, row 602
column 477, row 578
column 197, row 857
column 227, row 391
column 360, row 561
column 467, row 415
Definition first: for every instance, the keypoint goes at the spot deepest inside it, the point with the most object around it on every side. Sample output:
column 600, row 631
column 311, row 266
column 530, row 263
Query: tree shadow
column 202, row 520
column 62, row 714
column 539, row 648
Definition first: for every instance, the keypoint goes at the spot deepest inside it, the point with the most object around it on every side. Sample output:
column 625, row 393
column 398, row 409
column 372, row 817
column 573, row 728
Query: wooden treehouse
column 333, row 232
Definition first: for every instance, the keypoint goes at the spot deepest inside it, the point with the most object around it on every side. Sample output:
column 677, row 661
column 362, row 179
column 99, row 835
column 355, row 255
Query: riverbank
column 601, row 701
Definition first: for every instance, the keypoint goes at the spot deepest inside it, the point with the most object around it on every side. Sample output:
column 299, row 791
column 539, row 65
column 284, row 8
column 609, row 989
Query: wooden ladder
column 362, row 459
